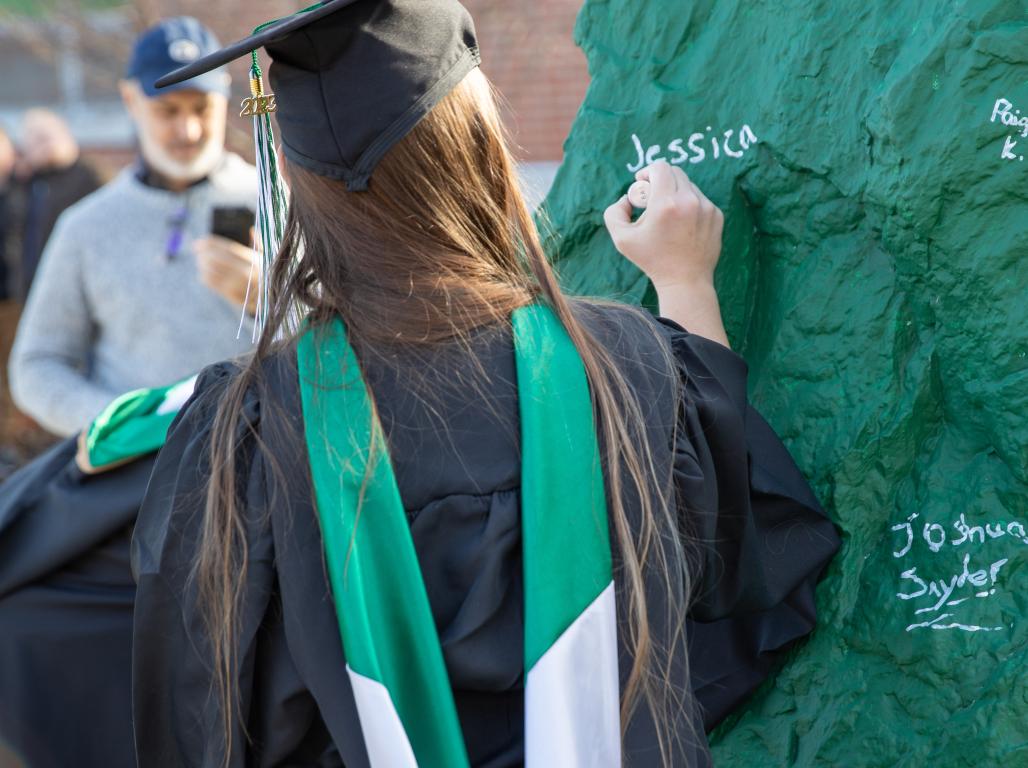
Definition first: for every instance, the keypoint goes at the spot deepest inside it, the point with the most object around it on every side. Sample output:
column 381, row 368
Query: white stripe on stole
column 176, row 397
column 572, row 695
column 384, row 734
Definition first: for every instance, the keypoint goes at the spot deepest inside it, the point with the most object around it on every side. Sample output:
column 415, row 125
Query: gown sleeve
column 760, row 537
column 177, row 719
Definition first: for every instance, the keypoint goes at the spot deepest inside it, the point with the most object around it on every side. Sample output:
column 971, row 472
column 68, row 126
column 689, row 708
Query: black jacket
column 66, row 596
column 759, row 537
column 47, row 194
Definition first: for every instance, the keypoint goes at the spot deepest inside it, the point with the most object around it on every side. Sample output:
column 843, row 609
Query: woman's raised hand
column 677, row 240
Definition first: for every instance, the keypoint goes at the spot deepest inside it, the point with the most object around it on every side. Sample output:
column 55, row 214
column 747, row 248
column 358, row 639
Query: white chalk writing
column 934, row 535
column 1003, row 110
column 973, row 580
column 698, row 147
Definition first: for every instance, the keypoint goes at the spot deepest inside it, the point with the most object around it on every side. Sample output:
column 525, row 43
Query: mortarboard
column 349, row 79
column 352, row 77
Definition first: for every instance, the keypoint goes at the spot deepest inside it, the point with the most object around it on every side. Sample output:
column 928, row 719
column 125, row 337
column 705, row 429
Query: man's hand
column 228, row 269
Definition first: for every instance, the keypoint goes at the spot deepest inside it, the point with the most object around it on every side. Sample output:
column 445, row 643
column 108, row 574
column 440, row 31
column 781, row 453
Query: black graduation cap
column 352, row 77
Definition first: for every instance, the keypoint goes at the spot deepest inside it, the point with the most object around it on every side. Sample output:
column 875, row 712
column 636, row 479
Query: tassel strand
column 270, row 220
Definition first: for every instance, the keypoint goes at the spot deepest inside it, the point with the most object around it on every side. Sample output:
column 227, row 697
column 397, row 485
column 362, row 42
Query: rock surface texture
column 869, row 158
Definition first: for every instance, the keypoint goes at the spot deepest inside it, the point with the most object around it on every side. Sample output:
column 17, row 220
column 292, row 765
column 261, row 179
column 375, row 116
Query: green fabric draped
column 385, row 619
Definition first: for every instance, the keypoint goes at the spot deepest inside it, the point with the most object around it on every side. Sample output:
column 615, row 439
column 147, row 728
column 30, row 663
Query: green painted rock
column 869, row 158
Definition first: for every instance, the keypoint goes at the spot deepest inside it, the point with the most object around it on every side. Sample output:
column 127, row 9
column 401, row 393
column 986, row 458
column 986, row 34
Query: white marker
column 639, row 194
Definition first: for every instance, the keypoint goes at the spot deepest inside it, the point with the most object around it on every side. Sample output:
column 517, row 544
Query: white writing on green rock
column 971, row 579
column 1004, row 112
column 700, row 146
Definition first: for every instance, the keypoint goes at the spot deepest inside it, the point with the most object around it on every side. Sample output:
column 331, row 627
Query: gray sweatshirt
column 110, row 312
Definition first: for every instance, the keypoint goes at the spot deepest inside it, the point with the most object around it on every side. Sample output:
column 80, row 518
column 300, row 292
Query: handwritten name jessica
column 697, row 148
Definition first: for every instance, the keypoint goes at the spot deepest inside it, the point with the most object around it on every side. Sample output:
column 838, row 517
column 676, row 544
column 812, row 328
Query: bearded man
column 132, row 290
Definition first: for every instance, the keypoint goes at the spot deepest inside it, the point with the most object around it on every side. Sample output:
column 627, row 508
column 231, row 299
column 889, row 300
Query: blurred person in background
column 9, row 234
column 57, row 178
column 133, row 291
column 8, row 158
column 20, row 437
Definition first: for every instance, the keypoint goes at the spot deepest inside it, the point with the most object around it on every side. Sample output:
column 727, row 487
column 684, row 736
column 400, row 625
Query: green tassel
column 272, row 202
column 271, row 197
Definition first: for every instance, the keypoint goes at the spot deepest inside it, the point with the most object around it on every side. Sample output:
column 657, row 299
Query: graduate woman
column 451, row 517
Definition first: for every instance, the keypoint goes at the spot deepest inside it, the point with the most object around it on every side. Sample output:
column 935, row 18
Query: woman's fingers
column 666, row 181
column 678, row 239
column 617, row 217
column 710, row 211
column 644, row 173
column 663, row 183
column 641, row 192
column 685, row 183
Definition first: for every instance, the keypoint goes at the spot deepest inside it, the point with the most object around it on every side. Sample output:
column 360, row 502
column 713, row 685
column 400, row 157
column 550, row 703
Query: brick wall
column 526, row 45
column 527, row 51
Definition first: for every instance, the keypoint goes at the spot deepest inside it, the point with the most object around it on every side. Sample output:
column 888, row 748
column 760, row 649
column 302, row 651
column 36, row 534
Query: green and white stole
column 394, row 658
column 133, row 425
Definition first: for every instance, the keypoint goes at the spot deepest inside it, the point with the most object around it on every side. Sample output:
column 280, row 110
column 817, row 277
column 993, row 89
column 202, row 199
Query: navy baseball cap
column 170, row 45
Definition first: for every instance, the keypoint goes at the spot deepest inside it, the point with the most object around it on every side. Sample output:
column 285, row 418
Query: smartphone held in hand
column 233, row 223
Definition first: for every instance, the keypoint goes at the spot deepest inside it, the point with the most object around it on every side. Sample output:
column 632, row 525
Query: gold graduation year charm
column 258, row 102
column 258, row 105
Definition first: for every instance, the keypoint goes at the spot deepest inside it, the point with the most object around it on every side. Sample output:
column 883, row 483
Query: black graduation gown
column 66, row 596
column 761, row 542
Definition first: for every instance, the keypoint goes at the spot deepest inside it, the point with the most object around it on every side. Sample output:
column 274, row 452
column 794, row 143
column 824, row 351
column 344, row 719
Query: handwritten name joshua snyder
column 963, row 582
column 697, row 148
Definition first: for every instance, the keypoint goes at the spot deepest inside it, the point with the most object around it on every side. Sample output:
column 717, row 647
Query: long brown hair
column 441, row 244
